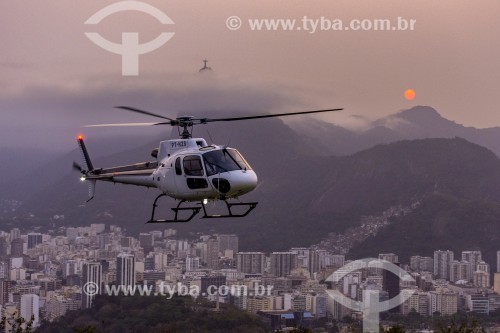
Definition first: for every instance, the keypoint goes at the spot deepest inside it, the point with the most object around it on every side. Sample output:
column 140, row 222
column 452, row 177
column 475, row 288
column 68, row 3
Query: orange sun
column 410, row 94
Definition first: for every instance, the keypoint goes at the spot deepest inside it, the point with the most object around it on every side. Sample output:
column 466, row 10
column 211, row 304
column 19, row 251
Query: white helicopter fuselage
column 189, row 169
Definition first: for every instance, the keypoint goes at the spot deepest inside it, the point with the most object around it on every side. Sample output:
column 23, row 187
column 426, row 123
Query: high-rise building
column 473, row 257
column 390, row 257
column 30, row 308
column 98, row 228
column 5, row 288
column 15, row 233
column 213, row 253
column 496, row 283
column 301, row 251
column 262, row 303
column 423, row 304
column 103, row 240
column 192, row 263
column 416, row 302
column 58, row 305
column 335, row 260
column 150, row 277
column 4, row 247
column 149, row 262
column 169, row 233
column 146, row 241
column 299, row 303
column 157, row 234
column 282, row 263
column 478, row 303
column 70, row 268
column 422, row 264
column 126, row 242
column 303, row 256
column 498, row 261
column 390, row 283
column 319, row 305
column 4, row 270
column 125, row 269
column 483, row 267
column 317, row 261
column 494, row 300
column 92, row 283
column 211, row 284
column 228, row 242
column 71, row 234
column 444, row 302
column 34, row 239
column 442, row 260
column 481, row 279
column 17, row 247
column 250, row 262
column 460, row 270
column 412, row 302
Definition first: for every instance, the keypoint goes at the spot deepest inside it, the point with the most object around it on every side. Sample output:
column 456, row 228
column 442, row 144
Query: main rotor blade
column 128, row 108
column 268, row 115
column 124, row 125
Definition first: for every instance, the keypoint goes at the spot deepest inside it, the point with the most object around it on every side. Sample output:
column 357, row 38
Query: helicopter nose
column 235, row 183
column 244, row 182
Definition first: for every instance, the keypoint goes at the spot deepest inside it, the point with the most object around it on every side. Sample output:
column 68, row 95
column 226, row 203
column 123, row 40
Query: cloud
column 356, row 123
column 48, row 115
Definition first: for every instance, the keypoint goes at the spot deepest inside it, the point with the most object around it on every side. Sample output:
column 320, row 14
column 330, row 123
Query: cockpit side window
column 178, row 170
column 193, row 166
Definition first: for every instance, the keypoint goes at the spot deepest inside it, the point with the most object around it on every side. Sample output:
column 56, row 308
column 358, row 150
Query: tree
column 395, row 329
column 297, row 330
column 465, row 327
column 16, row 324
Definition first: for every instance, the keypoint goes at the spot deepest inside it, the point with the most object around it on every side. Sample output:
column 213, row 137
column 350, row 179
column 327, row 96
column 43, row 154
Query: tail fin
column 85, row 154
column 88, row 166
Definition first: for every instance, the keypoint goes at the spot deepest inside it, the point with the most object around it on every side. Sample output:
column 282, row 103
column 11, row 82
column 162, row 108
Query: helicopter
column 185, row 169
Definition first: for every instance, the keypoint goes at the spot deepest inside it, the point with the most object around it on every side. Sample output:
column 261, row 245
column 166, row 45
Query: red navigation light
column 80, row 137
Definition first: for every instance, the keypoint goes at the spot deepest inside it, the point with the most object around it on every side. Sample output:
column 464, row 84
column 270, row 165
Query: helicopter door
column 194, row 180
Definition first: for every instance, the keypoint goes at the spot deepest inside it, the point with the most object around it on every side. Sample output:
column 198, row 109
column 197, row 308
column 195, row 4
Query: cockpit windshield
column 224, row 160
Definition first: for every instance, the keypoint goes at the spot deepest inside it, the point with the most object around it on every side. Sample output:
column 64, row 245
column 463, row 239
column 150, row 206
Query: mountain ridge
column 418, row 122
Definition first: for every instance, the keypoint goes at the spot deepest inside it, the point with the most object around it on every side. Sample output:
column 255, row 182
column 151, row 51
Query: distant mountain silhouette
column 419, row 122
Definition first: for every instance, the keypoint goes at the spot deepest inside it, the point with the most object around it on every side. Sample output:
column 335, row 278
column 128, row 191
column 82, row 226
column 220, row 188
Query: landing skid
column 250, row 206
column 195, row 210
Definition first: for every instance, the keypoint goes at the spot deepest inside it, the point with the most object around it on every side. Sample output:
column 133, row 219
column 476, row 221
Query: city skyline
column 189, row 263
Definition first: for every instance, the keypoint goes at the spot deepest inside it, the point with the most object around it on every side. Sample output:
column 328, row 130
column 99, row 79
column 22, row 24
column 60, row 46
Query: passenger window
column 178, row 170
column 192, row 166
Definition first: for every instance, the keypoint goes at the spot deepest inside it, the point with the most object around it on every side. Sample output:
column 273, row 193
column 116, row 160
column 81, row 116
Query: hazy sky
column 54, row 79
